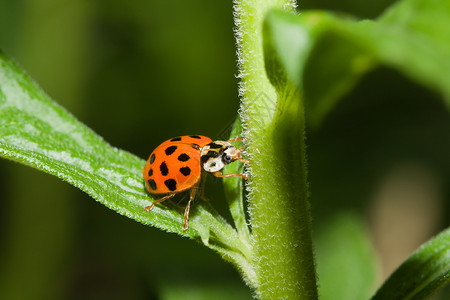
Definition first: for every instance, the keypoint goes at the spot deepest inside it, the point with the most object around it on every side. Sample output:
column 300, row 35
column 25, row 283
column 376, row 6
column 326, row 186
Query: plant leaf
column 422, row 274
column 234, row 192
column 39, row 133
column 346, row 262
column 325, row 55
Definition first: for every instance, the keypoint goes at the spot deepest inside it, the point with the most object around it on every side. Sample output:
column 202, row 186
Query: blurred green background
column 139, row 72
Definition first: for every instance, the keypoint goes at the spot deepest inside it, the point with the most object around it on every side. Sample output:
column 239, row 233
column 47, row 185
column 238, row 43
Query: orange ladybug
column 177, row 164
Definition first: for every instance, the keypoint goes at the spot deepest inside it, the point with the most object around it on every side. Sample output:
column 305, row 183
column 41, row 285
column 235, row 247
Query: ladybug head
column 215, row 155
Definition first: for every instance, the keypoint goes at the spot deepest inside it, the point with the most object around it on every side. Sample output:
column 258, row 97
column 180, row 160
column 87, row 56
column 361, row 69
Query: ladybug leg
column 219, row 174
column 148, row 208
column 193, row 192
column 239, row 156
column 241, row 159
column 236, row 139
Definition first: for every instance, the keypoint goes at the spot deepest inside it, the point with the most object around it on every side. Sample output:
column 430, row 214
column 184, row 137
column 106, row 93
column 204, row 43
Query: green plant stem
column 273, row 126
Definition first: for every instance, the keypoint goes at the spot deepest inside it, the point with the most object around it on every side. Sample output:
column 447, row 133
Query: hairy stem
column 273, row 126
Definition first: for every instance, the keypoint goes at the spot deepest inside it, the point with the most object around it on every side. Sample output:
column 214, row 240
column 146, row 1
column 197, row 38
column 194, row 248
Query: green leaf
column 37, row 132
column 346, row 261
column 233, row 187
column 325, row 55
column 422, row 274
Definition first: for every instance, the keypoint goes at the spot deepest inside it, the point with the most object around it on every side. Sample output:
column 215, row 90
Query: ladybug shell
column 174, row 166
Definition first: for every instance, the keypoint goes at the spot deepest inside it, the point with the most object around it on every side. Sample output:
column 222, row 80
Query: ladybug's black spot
column 196, row 146
column 163, row 168
column 170, row 150
column 214, row 146
column 152, row 158
column 171, row 184
column 177, row 139
column 150, row 172
column 152, row 184
column 185, row 171
column 183, row 157
column 195, row 136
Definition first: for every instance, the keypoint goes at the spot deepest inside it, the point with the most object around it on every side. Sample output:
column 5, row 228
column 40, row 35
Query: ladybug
column 177, row 164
